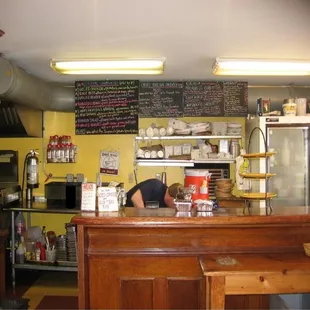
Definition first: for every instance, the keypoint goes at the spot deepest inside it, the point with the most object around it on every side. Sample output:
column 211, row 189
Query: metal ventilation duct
column 18, row 86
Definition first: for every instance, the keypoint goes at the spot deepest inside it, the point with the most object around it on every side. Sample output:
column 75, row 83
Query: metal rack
column 59, row 266
column 266, row 176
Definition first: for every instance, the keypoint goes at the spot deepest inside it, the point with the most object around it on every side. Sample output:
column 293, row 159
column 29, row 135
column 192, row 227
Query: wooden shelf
column 257, row 175
column 258, row 196
column 259, row 155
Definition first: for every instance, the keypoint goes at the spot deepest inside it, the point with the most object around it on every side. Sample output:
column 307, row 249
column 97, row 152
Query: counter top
column 169, row 217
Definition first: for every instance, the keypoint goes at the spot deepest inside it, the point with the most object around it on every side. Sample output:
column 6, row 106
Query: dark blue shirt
column 151, row 190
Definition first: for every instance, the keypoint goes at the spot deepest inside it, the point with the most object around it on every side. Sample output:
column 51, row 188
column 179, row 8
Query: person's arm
column 137, row 199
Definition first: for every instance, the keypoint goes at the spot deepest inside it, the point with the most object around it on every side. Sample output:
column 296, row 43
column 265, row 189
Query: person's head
column 171, row 193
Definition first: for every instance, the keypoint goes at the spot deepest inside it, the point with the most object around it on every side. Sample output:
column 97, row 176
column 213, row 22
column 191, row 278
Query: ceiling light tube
column 109, row 66
column 225, row 66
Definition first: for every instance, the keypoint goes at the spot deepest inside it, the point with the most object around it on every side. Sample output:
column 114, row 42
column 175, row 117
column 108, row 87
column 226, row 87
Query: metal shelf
column 39, row 207
column 46, row 267
column 179, row 163
column 44, row 210
column 186, row 138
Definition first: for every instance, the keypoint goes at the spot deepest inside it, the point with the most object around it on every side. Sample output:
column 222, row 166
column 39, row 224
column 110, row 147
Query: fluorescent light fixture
column 165, row 163
column 109, row 66
column 224, row 66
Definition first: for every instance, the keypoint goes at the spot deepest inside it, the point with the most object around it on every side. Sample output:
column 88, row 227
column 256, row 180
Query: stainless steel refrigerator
column 288, row 136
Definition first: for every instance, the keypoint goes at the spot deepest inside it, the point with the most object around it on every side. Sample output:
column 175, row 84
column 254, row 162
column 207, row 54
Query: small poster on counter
column 88, row 200
column 109, row 162
column 107, row 199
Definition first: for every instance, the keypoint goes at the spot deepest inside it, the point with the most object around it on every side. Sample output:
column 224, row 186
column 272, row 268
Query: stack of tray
column 61, row 248
column 71, row 242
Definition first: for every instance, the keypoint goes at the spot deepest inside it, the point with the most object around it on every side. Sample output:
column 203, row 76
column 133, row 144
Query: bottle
column 164, row 178
column 67, row 153
column 43, row 236
column 49, row 153
column 22, row 241
column 20, row 224
column 71, row 153
column 38, row 251
column 20, row 254
column 61, row 153
column 259, row 107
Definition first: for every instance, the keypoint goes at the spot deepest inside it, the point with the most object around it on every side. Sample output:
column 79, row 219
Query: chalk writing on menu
column 106, row 107
column 203, row 98
column 235, row 98
column 161, row 99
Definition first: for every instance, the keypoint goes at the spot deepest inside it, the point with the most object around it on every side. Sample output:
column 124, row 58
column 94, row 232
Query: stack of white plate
column 234, row 129
column 219, row 129
column 199, row 128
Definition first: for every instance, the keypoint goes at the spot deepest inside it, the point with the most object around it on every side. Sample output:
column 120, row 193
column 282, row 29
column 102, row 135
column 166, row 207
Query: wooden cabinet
column 145, row 283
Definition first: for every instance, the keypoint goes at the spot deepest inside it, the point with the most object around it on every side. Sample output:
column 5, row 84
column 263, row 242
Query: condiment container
column 289, row 107
column 183, row 205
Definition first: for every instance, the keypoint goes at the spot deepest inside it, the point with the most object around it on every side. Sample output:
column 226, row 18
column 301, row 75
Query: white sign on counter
column 88, row 199
column 107, row 199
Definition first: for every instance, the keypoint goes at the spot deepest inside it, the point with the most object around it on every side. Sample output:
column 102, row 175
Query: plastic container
column 194, row 179
column 301, row 106
column 50, row 255
column 289, row 107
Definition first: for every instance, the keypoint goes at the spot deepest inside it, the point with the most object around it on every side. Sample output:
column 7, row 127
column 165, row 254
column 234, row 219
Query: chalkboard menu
column 106, row 107
column 161, row 99
column 235, row 98
column 203, row 98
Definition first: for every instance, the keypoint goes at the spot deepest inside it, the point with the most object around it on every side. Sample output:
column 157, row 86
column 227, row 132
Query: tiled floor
column 56, row 284
column 48, row 284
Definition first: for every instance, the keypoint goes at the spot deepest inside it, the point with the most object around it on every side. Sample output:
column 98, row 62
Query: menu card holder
column 88, row 201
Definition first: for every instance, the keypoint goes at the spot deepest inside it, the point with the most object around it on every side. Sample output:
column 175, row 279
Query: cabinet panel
column 136, row 294
column 145, row 283
column 184, row 294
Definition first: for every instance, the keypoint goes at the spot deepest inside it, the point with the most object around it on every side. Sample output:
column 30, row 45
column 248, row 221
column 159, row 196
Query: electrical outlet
column 130, row 177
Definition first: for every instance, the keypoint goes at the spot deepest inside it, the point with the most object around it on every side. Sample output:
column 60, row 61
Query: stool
column 244, row 274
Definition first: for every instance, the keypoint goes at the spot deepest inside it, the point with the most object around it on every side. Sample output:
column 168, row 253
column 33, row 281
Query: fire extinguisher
column 32, row 163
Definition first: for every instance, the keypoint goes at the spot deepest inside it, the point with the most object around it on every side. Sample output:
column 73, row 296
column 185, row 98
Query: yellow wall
column 89, row 147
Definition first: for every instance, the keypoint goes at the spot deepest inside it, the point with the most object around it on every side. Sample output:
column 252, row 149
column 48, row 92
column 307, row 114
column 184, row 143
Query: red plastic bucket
column 194, row 179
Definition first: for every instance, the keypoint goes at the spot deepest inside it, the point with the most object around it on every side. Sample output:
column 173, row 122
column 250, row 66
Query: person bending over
column 152, row 190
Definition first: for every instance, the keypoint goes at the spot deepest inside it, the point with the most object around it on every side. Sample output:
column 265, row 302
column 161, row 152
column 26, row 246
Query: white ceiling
column 190, row 34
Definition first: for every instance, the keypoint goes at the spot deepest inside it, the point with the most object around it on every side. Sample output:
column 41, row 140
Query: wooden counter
column 139, row 258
